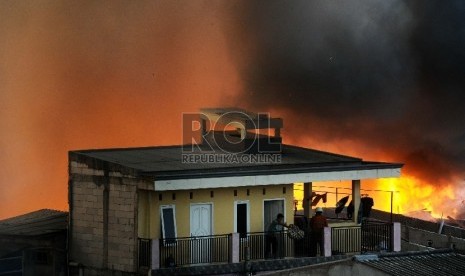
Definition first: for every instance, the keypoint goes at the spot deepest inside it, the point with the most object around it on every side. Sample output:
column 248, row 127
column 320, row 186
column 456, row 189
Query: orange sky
column 85, row 74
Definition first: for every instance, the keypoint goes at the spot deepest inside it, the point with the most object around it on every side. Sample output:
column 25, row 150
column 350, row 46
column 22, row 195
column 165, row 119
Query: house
column 435, row 262
column 34, row 243
column 418, row 234
column 206, row 201
column 432, row 262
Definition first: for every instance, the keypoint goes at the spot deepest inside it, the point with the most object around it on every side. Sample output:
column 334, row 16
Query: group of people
column 316, row 226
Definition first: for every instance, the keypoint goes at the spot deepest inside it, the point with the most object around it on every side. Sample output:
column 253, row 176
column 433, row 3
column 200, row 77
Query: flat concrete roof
column 166, row 162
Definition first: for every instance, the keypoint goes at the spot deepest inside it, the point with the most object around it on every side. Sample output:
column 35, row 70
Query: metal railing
column 145, row 253
column 370, row 236
column 259, row 245
column 376, row 236
column 346, row 239
column 252, row 246
column 194, row 250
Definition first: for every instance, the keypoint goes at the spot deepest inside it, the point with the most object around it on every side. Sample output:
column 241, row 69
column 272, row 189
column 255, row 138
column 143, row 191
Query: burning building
column 377, row 79
column 152, row 207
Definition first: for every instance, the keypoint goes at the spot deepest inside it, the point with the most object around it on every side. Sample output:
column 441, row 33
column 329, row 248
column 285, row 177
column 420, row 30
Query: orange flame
column 415, row 195
column 410, row 195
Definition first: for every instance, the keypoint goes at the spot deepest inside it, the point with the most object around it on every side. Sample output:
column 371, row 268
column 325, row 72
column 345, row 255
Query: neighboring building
column 418, row 234
column 137, row 207
column 34, row 244
column 427, row 263
column 424, row 263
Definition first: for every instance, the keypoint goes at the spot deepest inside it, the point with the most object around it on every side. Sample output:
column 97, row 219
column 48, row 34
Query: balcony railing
column 145, row 253
column 255, row 246
column 346, row 240
column 194, row 250
column 370, row 236
column 376, row 236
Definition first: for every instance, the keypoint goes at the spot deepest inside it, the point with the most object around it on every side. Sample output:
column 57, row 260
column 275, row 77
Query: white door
column 201, row 225
column 201, row 220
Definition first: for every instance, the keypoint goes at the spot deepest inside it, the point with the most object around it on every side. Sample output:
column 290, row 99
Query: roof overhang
column 274, row 178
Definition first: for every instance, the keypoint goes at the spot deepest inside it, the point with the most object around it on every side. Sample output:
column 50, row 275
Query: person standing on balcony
column 317, row 224
column 274, row 230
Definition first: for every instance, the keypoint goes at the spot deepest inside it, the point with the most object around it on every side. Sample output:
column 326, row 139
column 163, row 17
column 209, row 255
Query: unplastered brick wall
column 103, row 230
column 122, row 234
column 86, row 214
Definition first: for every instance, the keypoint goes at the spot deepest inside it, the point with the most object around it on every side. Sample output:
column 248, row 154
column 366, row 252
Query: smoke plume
column 388, row 75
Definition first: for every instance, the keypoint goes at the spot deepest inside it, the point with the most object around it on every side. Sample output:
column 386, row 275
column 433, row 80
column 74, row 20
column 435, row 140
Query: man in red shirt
column 317, row 224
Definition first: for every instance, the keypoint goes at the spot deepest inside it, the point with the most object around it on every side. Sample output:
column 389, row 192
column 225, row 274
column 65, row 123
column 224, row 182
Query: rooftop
column 166, row 162
column 436, row 262
column 39, row 222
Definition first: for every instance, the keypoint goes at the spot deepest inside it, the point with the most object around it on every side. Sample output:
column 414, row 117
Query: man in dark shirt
column 317, row 225
column 272, row 233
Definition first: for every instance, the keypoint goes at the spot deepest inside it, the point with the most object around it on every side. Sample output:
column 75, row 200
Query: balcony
column 235, row 248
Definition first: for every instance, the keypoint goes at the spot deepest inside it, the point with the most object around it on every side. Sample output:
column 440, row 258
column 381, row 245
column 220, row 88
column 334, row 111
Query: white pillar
column 307, row 204
column 235, row 248
column 327, row 241
column 396, row 237
column 356, row 198
column 155, row 254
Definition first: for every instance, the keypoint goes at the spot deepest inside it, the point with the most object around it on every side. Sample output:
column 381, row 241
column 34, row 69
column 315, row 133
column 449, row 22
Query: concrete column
column 234, row 248
column 356, row 198
column 327, row 241
column 307, row 204
column 396, row 237
column 155, row 254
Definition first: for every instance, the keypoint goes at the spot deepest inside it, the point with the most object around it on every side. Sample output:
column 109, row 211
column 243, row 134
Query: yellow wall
column 222, row 205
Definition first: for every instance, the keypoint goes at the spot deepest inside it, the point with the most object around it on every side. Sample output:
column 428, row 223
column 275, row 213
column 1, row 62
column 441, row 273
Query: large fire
column 415, row 195
column 88, row 75
column 405, row 195
column 412, row 194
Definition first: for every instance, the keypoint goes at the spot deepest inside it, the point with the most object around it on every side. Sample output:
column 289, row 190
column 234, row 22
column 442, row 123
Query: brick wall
column 122, row 234
column 86, row 232
column 103, row 212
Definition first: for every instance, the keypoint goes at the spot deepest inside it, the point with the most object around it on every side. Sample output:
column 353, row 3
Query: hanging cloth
column 341, row 204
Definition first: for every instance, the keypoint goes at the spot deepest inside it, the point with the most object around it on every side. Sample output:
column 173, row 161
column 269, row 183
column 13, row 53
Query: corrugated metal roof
column 434, row 263
column 39, row 222
column 167, row 161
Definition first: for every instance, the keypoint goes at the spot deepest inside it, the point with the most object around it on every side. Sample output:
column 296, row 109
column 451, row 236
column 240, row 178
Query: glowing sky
column 381, row 80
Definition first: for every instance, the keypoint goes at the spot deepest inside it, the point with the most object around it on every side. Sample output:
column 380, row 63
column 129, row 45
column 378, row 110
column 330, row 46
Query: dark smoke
column 390, row 74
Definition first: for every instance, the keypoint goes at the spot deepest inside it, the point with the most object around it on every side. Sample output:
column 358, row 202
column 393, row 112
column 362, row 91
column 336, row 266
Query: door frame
column 162, row 222
column 236, row 202
column 211, row 216
column 263, row 210
column 196, row 256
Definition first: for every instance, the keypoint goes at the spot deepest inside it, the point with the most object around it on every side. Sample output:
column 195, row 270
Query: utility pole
column 392, row 197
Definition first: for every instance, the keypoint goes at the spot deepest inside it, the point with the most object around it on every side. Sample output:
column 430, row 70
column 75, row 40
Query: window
column 241, row 218
column 168, row 224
